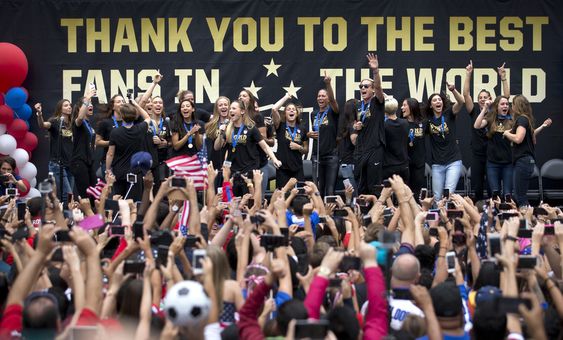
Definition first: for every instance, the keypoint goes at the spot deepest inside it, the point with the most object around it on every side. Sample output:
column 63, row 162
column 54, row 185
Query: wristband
column 511, row 238
column 324, row 271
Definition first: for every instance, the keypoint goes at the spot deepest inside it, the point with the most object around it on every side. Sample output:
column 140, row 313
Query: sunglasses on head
column 365, row 86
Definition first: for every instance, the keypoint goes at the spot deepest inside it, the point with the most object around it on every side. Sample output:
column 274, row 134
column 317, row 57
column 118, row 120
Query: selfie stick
column 126, row 194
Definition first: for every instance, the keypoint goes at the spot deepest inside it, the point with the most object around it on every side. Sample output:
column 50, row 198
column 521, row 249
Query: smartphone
column 299, row 185
column 496, row 195
column 162, row 255
column 62, row 236
column 131, row 178
column 508, row 197
column 386, row 183
column 191, row 241
column 4, row 178
column 197, row 256
column 21, row 206
column 285, row 233
column 450, row 206
column 431, row 216
column 507, row 216
column 454, row 213
column 504, row 206
column 178, row 182
column 549, row 230
column 450, row 261
column 346, row 182
column 525, row 233
column 271, row 242
column 527, row 262
column 377, row 189
column 130, row 94
column 494, row 245
column 138, row 230
column 12, row 192
column 92, row 222
column 446, row 193
column 257, row 219
column 20, row 234
column 330, row 199
column 366, row 220
column 250, row 202
column 335, row 283
column 423, row 193
column 458, row 226
column 539, row 211
column 361, row 202
column 69, row 197
column 350, row 262
column 433, row 232
column 402, row 294
column 523, row 224
column 133, row 266
column 339, row 213
column 116, row 230
column 509, row 305
column 57, row 255
column 112, row 205
column 322, row 219
column 311, row 329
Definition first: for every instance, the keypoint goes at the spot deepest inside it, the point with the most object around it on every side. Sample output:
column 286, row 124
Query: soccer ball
column 391, row 105
column 186, row 304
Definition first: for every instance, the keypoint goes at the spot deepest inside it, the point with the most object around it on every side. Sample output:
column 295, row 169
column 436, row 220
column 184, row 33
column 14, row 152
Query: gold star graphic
column 272, row 68
column 253, row 89
column 292, row 89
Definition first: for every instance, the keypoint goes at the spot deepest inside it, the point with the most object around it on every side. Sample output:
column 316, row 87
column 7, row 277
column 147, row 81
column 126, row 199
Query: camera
column 131, row 178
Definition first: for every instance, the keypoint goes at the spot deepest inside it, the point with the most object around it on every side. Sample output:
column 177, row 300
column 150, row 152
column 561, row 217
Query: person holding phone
column 83, row 138
column 369, row 131
column 292, row 142
column 187, row 132
column 60, row 144
column 446, row 156
column 9, row 178
column 323, row 131
column 416, row 144
column 110, row 119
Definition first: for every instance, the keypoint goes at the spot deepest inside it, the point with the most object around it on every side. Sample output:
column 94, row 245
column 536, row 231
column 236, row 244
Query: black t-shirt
column 443, row 138
column 104, row 129
column 182, row 129
column 372, row 134
column 259, row 121
column 526, row 148
column 498, row 148
column 396, row 142
column 126, row 141
column 291, row 159
column 215, row 156
column 202, row 115
column 161, row 128
column 328, row 125
column 417, row 145
column 245, row 157
column 83, row 141
column 56, row 146
column 478, row 136
column 346, row 148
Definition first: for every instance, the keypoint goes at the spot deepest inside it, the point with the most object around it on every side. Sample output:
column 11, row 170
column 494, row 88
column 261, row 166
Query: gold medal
column 233, row 149
column 190, row 145
column 411, row 144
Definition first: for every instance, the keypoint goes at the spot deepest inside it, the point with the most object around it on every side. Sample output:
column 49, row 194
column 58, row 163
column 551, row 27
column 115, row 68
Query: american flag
column 96, row 190
column 194, row 167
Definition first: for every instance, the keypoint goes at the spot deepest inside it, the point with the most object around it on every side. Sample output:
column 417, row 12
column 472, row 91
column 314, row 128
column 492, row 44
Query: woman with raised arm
column 292, row 142
column 521, row 136
column 417, row 148
column 83, row 139
column 323, row 131
column 187, row 132
column 60, row 142
column 495, row 118
column 479, row 138
column 109, row 119
column 446, row 157
column 214, row 128
column 159, row 128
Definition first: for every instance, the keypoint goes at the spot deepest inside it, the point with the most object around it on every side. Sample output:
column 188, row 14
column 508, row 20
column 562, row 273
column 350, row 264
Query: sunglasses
column 365, row 86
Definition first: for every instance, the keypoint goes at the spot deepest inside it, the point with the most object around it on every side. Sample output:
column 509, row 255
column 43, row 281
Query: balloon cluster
column 15, row 138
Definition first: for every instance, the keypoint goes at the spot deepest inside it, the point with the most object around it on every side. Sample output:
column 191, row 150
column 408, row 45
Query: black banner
column 272, row 47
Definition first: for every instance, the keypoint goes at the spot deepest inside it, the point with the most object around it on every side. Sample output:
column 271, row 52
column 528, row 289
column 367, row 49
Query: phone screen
column 178, row 182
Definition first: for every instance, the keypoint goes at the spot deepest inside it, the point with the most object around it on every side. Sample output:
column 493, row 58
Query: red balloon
column 6, row 115
column 27, row 187
column 28, row 142
column 13, row 66
column 2, row 98
column 17, row 129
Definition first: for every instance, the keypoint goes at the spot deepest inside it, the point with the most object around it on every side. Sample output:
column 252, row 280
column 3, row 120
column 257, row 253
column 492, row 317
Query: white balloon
column 3, row 129
column 33, row 182
column 33, row 193
column 29, row 171
column 21, row 157
column 8, row 144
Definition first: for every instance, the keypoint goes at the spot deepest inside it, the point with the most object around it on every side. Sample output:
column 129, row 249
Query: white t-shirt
column 399, row 310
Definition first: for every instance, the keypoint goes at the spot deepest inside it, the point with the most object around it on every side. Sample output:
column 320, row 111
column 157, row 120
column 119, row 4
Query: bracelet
column 511, row 238
column 503, row 79
column 442, row 256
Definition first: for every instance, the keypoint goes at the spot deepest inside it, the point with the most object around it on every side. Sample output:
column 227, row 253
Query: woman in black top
column 416, row 144
column 82, row 161
column 60, row 137
column 292, row 142
column 108, row 120
column 496, row 118
column 396, row 156
column 345, row 145
column 446, row 157
column 479, row 139
column 186, row 136
column 323, row 131
column 159, row 130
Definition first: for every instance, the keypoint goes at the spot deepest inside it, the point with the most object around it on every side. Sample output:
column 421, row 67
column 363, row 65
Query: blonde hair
column 246, row 120
column 220, row 273
column 212, row 125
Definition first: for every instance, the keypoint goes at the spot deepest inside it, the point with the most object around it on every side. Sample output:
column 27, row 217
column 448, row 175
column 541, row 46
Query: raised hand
column 373, row 61
column 469, row 67
column 38, row 108
column 451, row 86
column 326, row 79
column 501, row 71
column 157, row 77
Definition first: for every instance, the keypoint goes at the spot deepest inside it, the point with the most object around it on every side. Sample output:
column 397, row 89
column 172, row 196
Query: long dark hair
column 347, row 119
column 414, row 108
column 178, row 118
column 59, row 108
column 492, row 117
column 251, row 107
column 446, row 104
column 106, row 111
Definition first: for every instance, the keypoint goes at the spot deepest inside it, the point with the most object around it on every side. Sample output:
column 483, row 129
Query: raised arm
column 146, row 96
column 87, row 246
column 330, row 92
column 40, row 122
column 84, row 108
column 275, row 109
column 374, row 65
column 458, row 98
column 467, row 87
column 546, row 124
column 505, row 85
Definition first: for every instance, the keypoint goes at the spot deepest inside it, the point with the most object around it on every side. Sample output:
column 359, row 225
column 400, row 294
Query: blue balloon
column 15, row 97
column 24, row 112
